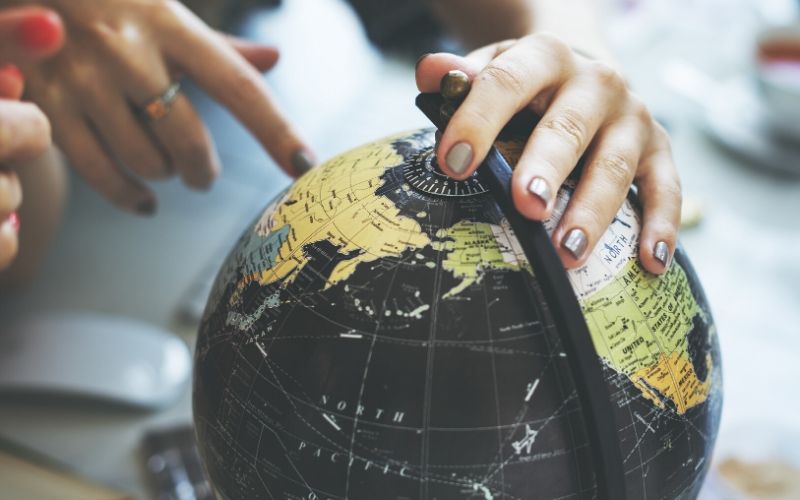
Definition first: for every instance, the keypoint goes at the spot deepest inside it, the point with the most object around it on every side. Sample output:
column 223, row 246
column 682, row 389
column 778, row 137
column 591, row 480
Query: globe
column 370, row 337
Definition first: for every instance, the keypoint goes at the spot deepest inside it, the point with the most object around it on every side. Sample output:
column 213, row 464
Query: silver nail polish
column 301, row 161
column 661, row 253
column 575, row 242
column 459, row 157
column 539, row 188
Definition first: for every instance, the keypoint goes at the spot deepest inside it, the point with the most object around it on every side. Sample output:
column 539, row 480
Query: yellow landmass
column 639, row 324
column 336, row 202
column 673, row 377
column 475, row 247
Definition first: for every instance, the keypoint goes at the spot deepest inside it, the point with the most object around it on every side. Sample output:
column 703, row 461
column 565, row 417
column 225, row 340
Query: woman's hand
column 586, row 108
column 121, row 55
column 24, row 130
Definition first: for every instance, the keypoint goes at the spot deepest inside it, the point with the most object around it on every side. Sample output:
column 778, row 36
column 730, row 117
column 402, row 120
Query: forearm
column 576, row 22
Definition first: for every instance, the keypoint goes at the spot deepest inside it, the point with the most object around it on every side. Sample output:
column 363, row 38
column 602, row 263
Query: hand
column 25, row 131
column 586, row 108
column 122, row 54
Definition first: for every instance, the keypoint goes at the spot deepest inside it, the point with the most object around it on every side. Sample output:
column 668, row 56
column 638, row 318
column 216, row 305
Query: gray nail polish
column 661, row 253
column 575, row 242
column 459, row 157
column 301, row 161
column 539, row 188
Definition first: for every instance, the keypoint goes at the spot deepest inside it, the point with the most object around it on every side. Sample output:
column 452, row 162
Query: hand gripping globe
column 379, row 333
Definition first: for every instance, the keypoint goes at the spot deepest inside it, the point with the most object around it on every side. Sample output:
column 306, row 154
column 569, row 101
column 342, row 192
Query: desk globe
column 379, row 334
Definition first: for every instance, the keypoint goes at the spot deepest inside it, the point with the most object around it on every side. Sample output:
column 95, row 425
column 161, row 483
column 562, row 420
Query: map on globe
column 370, row 339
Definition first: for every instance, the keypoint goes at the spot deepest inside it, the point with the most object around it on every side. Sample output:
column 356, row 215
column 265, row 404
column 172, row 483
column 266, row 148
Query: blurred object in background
column 26, row 475
column 173, row 466
column 771, row 479
column 707, row 52
column 778, row 70
column 110, row 359
column 754, row 115
column 762, row 464
column 692, row 212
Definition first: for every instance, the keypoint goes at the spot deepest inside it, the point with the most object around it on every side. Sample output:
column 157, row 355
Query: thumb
column 28, row 34
column 261, row 57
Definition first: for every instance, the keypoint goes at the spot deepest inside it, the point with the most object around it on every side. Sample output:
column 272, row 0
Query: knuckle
column 672, row 189
column 95, row 175
column 10, row 194
column 553, row 44
column 505, row 76
column 193, row 153
column 147, row 164
column 616, row 169
column 641, row 112
column 244, row 86
column 15, row 144
column 472, row 121
column 568, row 124
column 662, row 138
column 161, row 13
column 588, row 216
column 607, row 76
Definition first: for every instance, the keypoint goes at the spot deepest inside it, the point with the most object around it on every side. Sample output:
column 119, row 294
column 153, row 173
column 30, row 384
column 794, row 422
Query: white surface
column 745, row 251
column 93, row 356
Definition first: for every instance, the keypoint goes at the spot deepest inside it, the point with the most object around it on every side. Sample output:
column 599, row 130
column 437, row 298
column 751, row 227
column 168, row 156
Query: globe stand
column 495, row 173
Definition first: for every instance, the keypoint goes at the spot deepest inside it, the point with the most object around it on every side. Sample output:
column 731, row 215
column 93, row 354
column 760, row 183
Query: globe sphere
column 378, row 333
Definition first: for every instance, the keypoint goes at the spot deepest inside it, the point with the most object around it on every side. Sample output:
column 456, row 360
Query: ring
column 159, row 107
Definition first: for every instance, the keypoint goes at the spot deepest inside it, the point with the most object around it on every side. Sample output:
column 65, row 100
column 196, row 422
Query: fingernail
column 419, row 60
column 575, row 242
column 459, row 157
column 13, row 221
column 41, row 31
column 661, row 253
column 146, row 207
column 302, row 162
column 539, row 188
column 11, row 71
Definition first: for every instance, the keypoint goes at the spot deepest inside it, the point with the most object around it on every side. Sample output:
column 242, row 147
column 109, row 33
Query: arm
column 478, row 22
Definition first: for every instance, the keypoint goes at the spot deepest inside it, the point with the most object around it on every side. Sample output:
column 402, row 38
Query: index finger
column 231, row 80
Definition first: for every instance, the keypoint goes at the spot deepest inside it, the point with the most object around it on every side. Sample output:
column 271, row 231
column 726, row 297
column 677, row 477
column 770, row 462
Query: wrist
column 575, row 22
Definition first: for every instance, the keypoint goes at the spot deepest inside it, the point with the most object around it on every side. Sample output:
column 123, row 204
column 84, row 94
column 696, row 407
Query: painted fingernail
column 575, row 242
column 302, row 162
column 11, row 71
column 661, row 253
column 539, row 188
column 13, row 221
column 423, row 56
column 41, row 31
column 146, row 207
column 459, row 157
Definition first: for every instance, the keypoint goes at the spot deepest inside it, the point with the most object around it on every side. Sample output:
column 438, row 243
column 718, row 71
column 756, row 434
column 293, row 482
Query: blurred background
column 734, row 120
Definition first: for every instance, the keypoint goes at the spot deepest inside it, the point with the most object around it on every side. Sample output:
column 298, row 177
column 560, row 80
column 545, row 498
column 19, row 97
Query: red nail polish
column 13, row 219
column 42, row 31
column 11, row 71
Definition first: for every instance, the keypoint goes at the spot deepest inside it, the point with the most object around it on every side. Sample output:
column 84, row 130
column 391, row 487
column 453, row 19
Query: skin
column 586, row 109
column 120, row 55
column 24, row 129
